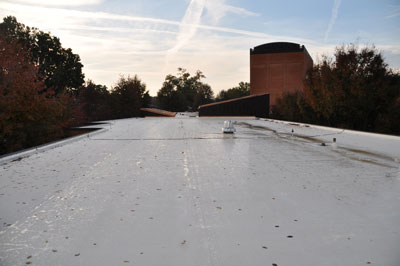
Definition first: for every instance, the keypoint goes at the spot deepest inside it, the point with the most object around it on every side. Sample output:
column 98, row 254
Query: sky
column 152, row 38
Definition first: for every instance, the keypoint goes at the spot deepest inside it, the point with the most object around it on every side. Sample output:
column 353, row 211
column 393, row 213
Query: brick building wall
column 276, row 68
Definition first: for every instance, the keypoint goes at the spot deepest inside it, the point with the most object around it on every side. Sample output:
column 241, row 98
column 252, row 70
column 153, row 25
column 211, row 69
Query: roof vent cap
column 228, row 127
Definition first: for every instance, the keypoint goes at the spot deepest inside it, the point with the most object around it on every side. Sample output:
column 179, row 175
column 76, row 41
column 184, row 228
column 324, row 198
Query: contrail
column 189, row 24
column 187, row 28
column 334, row 15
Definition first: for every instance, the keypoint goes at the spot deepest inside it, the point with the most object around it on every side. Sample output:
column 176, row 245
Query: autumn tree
column 59, row 68
column 243, row 89
column 184, row 92
column 28, row 116
column 129, row 95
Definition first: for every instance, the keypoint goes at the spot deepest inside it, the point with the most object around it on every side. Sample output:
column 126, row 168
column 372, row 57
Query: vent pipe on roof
column 228, row 127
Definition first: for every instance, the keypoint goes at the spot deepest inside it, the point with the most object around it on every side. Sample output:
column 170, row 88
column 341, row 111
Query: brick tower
column 279, row 67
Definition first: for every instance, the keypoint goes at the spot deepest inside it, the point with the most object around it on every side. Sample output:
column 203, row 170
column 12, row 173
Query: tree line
column 184, row 92
column 43, row 91
column 354, row 90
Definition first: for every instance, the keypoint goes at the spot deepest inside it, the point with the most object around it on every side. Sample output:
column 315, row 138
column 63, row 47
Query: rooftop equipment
column 228, row 127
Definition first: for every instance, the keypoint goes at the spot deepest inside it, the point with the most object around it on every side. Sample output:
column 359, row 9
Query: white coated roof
column 176, row 191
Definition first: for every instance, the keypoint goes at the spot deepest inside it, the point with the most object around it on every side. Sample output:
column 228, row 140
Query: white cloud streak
column 115, row 29
column 239, row 11
column 188, row 25
column 55, row 12
column 394, row 11
column 191, row 22
column 187, row 29
column 335, row 11
column 217, row 9
column 60, row 2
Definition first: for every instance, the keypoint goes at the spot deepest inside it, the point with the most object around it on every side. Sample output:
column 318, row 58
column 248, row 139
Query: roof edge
column 232, row 100
column 278, row 47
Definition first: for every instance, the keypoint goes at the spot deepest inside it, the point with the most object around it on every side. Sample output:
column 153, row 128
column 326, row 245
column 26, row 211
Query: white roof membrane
column 177, row 191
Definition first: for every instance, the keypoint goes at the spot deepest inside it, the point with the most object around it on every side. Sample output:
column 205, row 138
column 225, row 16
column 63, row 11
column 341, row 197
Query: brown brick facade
column 276, row 68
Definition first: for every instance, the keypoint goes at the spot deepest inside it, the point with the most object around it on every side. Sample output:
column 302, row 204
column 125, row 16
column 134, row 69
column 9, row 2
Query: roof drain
column 228, row 127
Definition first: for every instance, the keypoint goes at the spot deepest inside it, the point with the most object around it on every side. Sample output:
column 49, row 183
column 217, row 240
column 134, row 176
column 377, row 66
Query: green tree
column 203, row 95
column 243, row 89
column 59, row 68
column 356, row 90
column 129, row 95
column 293, row 107
column 352, row 90
column 184, row 92
column 96, row 101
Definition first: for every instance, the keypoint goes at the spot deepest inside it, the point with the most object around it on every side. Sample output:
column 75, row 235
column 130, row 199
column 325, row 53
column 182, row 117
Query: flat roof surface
column 179, row 192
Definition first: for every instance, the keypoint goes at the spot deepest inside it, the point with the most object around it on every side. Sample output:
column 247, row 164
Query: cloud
column 393, row 49
column 69, row 13
column 335, row 11
column 62, row 17
column 240, row 11
column 191, row 23
column 60, row 2
column 394, row 11
column 217, row 9
column 116, row 29
column 192, row 19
